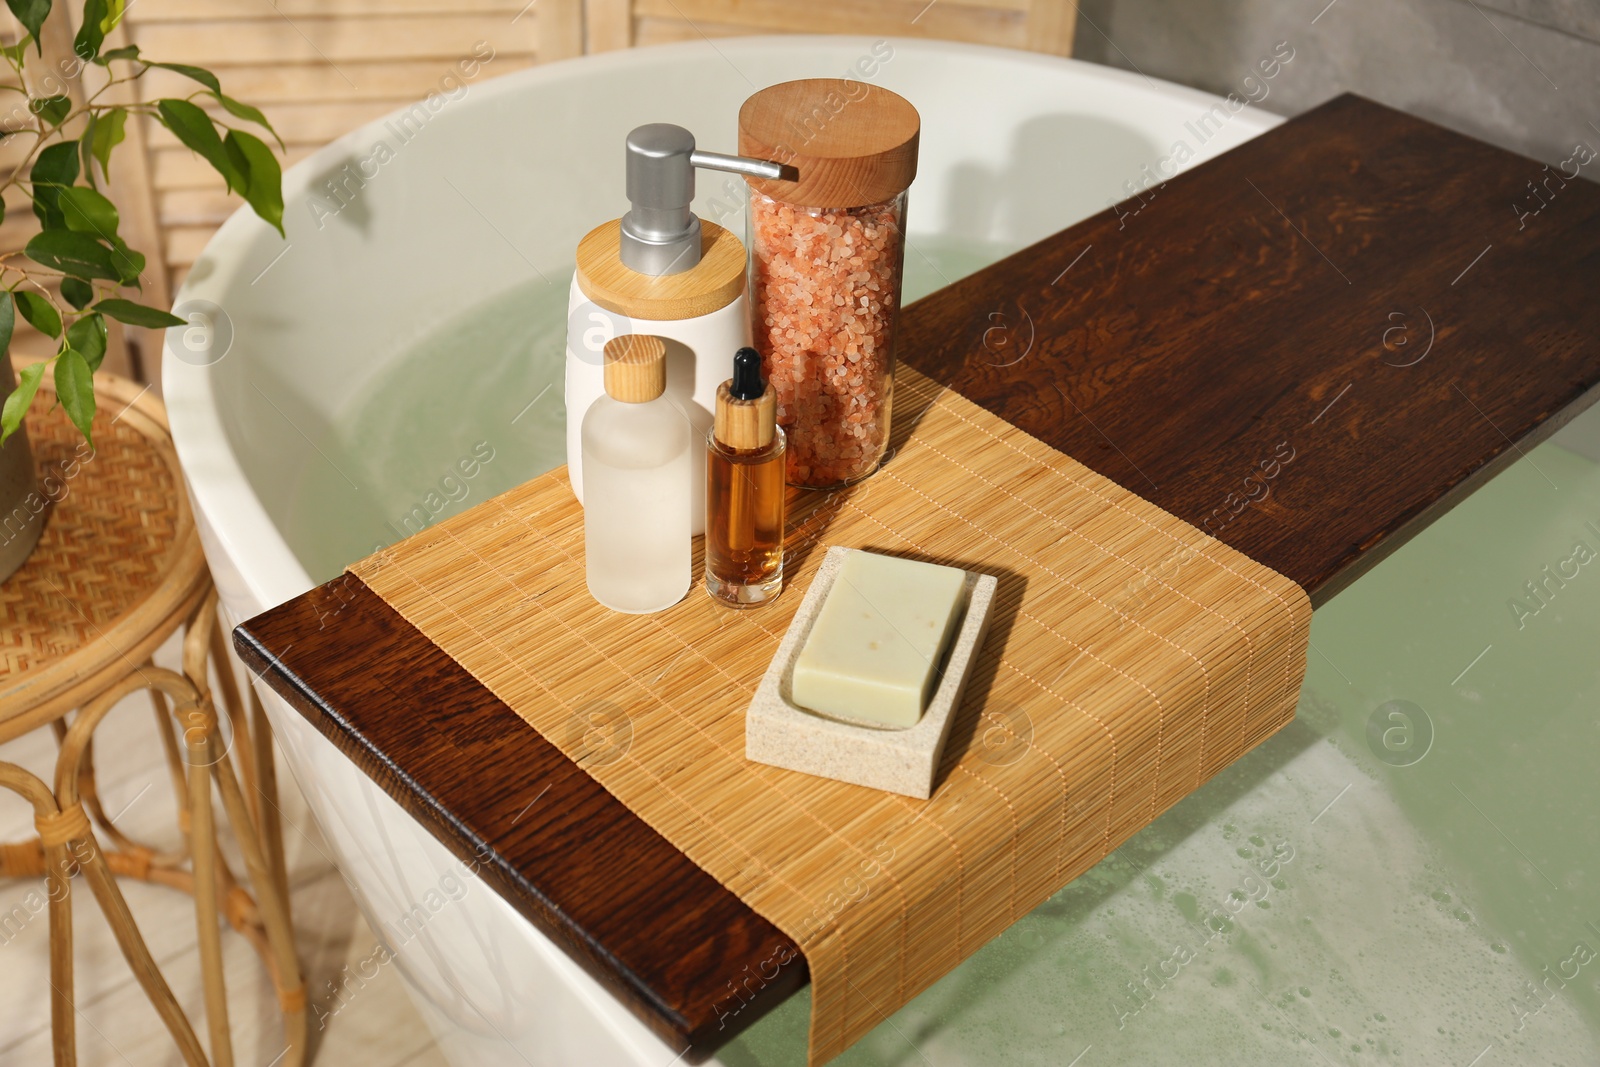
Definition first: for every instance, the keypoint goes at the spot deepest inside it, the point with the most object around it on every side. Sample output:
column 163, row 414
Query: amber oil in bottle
column 745, row 490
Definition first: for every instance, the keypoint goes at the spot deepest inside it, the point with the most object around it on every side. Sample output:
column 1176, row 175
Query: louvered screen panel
column 319, row 68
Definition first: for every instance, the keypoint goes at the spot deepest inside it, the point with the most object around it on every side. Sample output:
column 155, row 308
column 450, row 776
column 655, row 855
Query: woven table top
column 119, row 553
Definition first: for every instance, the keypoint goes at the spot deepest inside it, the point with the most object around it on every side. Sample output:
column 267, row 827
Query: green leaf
column 14, row 52
column 136, row 314
column 127, row 51
column 72, row 253
column 85, row 149
column 55, row 169
column 57, row 164
column 193, row 127
column 17, row 403
column 264, row 190
column 75, row 390
column 77, row 292
column 109, row 130
column 40, row 313
column 199, row 74
column 31, row 13
column 89, row 212
column 88, row 336
column 128, row 263
column 51, row 108
column 93, row 32
column 249, row 114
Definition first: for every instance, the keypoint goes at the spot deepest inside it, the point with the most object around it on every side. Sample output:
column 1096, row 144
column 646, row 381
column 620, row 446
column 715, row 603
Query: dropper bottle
column 745, row 489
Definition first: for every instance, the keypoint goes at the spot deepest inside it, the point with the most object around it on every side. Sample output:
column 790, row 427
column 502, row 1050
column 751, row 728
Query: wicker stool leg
column 203, row 851
column 97, row 872
column 228, row 700
column 269, row 883
column 58, row 875
column 132, row 853
column 291, row 989
column 137, row 954
column 169, row 748
column 263, row 920
column 258, row 776
column 58, row 883
column 271, row 815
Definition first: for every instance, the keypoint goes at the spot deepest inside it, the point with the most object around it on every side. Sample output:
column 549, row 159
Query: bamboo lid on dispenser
column 710, row 285
column 852, row 143
column 747, row 408
column 636, row 367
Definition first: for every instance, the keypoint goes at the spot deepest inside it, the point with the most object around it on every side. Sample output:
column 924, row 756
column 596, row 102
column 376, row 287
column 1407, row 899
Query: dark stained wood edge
column 703, row 968
column 1404, row 529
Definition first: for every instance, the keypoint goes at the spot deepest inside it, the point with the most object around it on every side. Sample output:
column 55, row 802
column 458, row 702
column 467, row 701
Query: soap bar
column 874, row 652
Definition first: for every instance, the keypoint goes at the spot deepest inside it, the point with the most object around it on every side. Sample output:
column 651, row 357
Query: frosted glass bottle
column 636, row 483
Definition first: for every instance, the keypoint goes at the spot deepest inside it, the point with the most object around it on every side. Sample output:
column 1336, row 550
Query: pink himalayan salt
column 826, row 289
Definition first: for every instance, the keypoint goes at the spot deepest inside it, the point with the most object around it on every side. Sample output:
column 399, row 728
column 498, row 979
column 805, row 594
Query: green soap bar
column 873, row 653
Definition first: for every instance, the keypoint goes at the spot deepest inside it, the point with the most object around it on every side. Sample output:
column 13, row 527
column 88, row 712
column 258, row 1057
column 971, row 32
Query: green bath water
column 1409, row 873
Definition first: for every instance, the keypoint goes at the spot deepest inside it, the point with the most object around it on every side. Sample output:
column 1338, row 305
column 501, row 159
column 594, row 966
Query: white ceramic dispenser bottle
column 660, row 270
column 636, row 449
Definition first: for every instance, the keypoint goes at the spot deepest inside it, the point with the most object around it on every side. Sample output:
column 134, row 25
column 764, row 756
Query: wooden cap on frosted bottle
column 636, row 367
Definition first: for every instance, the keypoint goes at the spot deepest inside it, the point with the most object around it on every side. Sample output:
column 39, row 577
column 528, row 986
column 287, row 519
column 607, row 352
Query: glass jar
column 825, row 294
column 827, row 248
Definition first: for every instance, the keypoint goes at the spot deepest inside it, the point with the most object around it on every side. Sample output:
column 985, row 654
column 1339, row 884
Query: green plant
column 77, row 244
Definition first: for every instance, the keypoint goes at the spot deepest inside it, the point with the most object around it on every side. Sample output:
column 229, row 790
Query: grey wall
column 1523, row 74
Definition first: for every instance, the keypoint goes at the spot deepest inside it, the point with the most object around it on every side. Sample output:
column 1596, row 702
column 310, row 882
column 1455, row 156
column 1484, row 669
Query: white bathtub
column 488, row 191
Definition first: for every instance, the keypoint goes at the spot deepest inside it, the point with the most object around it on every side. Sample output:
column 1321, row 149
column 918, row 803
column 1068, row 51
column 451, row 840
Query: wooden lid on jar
column 636, row 367
column 852, row 143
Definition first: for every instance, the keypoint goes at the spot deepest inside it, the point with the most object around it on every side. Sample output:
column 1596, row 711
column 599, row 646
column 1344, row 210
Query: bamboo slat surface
column 1086, row 718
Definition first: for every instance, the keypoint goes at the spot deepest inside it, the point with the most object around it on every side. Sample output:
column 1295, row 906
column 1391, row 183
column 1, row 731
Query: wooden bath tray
column 1347, row 310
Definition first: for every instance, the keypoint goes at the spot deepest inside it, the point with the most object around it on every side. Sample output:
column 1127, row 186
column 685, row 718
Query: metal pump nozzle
column 660, row 235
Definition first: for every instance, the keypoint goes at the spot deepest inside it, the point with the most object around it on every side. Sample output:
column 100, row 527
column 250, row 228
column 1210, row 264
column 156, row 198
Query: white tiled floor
column 376, row 1027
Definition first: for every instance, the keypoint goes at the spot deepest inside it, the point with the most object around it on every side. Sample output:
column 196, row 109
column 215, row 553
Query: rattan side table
column 117, row 571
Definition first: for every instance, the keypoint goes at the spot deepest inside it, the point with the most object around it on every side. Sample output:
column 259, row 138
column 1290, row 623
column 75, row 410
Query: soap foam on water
column 1365, row 951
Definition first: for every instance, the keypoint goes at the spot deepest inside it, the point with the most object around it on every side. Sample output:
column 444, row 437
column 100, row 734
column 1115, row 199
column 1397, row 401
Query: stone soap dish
column 780, row 733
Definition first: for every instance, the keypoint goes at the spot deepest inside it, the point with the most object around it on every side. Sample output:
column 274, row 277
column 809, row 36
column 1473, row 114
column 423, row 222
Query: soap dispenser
column 663, row 271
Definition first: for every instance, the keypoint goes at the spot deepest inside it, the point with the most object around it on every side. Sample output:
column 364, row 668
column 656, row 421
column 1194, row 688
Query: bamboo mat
column 1130, row 658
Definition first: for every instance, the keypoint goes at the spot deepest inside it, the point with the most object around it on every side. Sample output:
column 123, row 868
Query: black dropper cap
column 747, row 383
